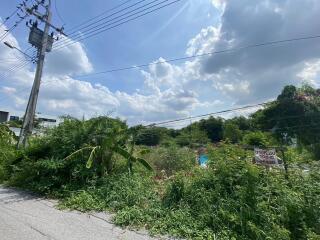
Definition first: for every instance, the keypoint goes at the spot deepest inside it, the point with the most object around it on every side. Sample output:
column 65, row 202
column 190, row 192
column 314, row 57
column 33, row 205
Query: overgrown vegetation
column 103, row 165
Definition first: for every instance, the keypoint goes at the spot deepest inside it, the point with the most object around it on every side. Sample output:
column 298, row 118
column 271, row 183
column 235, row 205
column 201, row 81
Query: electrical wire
column 104, row 25
column 185, row 121
column 58, row 12
column 15, row 69
column 77, row 27
column 203, row 55
column 95, row 31
column 208, row 114
column 3, row 36
column 89, row 25
column 10, row 16
column 103, row 29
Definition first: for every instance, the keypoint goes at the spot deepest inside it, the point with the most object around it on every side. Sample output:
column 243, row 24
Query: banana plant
column 109, row 138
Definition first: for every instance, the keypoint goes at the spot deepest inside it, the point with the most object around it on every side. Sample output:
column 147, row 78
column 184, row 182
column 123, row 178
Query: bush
column 237, row 199
column 42, row 167
column 171, row 159
column 258, row 139
column 192, row 136
column 148, row 137
column 231, row 199
column 7, row 151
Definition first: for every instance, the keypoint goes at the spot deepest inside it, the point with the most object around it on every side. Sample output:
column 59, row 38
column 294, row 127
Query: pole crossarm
column 41, row 17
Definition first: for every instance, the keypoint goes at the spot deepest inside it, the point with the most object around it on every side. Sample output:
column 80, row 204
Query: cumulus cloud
column 68, row 60
column 252, row 74
column 311, row 73
column 258, row 73
column 196, row 86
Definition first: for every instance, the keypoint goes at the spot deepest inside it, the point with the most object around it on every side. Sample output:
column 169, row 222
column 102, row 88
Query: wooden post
column 285, row 164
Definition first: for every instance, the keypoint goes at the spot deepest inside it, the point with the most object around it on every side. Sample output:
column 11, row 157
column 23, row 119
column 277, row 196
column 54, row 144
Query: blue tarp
column 203, row 160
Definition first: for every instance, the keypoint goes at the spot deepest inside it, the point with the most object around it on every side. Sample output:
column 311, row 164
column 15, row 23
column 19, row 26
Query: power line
column 57, row 11
column 22, row 62
column 204, row 54
column 3, row 36
column 16, row 68
column 208, row 114
column 103, row 29
column 182, row 122
column 93, row 18
column 103, row 26
column 10, row 16
column 100, row 20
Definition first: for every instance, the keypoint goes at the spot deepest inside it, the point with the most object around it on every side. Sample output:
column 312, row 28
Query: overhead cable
column 204, row 55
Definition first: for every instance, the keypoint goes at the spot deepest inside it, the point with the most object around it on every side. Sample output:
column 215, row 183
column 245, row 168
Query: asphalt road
column 26, row 217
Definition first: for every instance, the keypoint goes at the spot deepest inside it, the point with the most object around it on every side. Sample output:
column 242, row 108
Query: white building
column 45, row 121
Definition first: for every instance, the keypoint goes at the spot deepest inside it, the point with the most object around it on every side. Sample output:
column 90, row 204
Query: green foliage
column 148, row 136
column 45, row 166
column 7, row 150
column 231, row 199
column 15, row 123
column 114, row 192
column 258, row 139
column 171, row 159
column 191, row 137
column 241, row 122
column 213, row 127
column 103, row 146
column 294, row 116
column 237, row 199
column 232, row 133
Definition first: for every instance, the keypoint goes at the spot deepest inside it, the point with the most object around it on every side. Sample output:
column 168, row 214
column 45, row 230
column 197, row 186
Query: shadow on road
column 11, row 195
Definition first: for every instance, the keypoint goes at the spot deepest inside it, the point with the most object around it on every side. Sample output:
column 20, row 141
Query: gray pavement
column 26, row 217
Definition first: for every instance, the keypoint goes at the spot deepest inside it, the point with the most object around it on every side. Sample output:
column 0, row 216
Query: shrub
column 171, row 159
column 258, row 139
column 237, row 199
column 7, row 151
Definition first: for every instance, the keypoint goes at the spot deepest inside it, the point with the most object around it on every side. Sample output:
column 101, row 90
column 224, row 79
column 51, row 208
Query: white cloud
column 311, row 73
column 196, row 86
column 220, row 4
column 259, row 73
column 68, row 60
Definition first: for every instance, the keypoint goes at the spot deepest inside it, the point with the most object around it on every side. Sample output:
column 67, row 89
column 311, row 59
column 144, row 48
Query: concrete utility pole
column 28, row 122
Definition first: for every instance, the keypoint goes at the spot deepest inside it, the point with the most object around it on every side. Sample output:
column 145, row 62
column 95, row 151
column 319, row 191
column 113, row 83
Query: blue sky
column 174, row 90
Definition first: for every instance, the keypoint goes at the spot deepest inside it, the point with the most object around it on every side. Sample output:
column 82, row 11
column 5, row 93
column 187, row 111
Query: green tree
column 213, row 127
column 257, row 139
column 148, row 136
column 295, row 115
column 232, row 132
column 192, row 136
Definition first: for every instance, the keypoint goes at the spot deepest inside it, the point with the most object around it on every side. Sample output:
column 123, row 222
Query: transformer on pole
column 41, row 40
